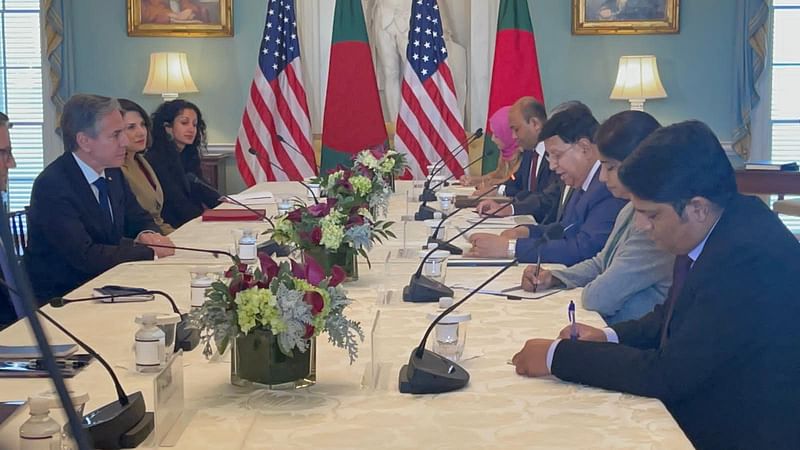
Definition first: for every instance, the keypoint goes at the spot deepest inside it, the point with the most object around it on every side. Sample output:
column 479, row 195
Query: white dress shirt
column 91, row 176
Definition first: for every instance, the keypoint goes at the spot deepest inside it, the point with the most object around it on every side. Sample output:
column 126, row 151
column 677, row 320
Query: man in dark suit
column 534, row 188
column 722, row 352
column 8, row 312
column 83, row 217
column 588, row 211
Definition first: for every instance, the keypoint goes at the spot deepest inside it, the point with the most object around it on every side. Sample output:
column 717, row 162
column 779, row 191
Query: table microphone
column 261, row 216
column 270, row 246
column 424, row 289
column 21, row 293
column 441, row 244
column 428, row 195
column 428, row 372
column 425, row 211
column 123, row 423
column 186, row 337
column 216, row 253
column 254, row 152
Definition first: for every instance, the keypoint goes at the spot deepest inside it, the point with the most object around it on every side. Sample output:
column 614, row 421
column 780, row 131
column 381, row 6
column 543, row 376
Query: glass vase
column 258, row 362
column 345, row 257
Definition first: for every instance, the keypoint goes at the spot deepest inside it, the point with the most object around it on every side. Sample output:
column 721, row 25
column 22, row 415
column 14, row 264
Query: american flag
column 276, row 105
column 429, row 120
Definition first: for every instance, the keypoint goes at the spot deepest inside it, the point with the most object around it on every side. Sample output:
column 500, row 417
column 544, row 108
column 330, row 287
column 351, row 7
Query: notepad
column 478, row 262
column 9, row 352
column 249, row 198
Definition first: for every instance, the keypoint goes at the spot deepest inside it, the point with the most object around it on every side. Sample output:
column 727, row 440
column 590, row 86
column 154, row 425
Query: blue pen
column 573, row 332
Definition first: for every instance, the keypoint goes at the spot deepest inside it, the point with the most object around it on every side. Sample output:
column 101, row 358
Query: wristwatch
column 512, row 248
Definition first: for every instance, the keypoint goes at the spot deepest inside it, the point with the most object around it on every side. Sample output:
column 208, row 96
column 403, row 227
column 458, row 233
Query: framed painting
column 625, row 16
column 180, row 18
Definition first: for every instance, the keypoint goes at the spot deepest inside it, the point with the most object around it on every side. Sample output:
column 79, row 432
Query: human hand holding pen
column 584, row 333
column 531, row 281
column 573, row 330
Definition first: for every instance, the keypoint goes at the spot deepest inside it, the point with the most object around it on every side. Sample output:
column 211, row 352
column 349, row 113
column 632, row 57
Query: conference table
column 358, row 405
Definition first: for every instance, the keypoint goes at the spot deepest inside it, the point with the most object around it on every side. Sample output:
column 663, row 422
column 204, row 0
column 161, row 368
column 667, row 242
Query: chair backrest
column 19, row 228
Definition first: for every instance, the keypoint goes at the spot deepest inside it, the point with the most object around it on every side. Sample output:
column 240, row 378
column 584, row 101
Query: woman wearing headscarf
column 510, row 153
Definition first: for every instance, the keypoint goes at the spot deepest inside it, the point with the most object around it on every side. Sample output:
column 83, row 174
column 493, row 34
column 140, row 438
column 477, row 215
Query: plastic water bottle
column 40, row 431
column 150, row 345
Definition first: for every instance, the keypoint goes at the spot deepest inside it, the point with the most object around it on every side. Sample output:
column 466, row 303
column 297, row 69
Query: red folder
column 233, row 215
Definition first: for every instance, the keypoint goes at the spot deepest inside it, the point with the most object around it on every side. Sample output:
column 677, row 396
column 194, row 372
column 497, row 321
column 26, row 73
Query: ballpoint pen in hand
column 538, row 268
column 573, row 330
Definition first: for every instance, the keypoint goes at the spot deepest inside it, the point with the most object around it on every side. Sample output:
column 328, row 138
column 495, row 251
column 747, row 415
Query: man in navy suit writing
column 588, row 210
column 83, row 217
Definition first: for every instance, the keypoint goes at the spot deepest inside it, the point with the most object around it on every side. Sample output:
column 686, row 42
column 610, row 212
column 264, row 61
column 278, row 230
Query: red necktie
column 679, row 272
column 532, row 175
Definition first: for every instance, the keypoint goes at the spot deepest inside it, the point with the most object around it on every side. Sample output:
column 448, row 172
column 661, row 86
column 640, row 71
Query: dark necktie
column 102, row 197
column 679, row 272
column 532, row 175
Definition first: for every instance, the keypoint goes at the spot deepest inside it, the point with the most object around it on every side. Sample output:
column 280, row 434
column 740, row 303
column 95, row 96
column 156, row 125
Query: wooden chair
column 19, row 228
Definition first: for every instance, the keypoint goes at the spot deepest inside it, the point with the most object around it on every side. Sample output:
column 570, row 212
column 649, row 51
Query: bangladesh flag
column 515, row 72
column 353, row 119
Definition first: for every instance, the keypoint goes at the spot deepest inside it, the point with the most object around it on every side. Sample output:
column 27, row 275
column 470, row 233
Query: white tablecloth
column 345, row 409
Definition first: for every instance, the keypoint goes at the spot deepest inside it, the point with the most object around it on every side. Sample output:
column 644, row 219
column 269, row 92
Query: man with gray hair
column 83, row 217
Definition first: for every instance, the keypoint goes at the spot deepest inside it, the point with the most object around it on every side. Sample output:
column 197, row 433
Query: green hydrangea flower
column 258, row 307
column 361, row 184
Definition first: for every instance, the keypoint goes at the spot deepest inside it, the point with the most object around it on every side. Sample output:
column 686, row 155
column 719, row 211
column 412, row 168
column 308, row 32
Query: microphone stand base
column 186, row 337
column 431, row 374
column 444, row 245
column 424, row 290
column 119, row 426
column 426, row 212
column 428, row 195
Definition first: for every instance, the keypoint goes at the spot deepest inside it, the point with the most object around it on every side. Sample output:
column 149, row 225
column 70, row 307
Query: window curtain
column 750, row 59
column 58, row 52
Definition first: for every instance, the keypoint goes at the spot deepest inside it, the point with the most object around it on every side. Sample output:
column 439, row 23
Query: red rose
column 314, row 299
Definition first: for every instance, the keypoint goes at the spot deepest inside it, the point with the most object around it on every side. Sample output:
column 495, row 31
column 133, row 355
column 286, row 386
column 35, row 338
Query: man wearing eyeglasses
column 6, row 157
column 588, row 209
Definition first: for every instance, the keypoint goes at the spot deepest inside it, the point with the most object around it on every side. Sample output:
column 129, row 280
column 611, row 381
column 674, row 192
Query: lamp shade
column 169, row 74
column 637, row 78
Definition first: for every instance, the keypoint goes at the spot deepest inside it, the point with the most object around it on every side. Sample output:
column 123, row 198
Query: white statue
column 388, row 23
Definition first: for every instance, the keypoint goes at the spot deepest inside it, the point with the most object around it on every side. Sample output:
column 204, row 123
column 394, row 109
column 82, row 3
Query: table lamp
column 637, row 81
column 169, row 76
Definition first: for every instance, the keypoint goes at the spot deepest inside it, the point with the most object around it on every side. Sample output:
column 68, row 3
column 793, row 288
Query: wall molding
column 220, row 148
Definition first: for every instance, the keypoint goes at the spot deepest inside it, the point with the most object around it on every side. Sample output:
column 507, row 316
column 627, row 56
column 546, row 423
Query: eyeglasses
column 554, row 157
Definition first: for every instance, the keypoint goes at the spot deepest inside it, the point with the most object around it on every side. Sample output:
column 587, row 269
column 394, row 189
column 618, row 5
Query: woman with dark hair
column 178, row 131
column 140, row 176
column 630, row 275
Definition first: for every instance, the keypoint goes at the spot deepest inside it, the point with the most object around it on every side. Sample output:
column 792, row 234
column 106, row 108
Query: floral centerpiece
column 341, row 226
column 387, row 164
column 272, row 314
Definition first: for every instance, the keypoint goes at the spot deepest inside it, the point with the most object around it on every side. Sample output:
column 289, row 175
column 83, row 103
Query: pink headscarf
column 500, row 128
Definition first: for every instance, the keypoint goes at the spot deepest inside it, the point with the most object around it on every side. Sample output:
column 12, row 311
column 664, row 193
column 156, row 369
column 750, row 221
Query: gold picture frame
column 625, row 16
column 189, row 18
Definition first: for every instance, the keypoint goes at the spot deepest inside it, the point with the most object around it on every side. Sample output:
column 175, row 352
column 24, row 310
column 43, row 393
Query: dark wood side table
column 773, row 182
column 213, row 168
